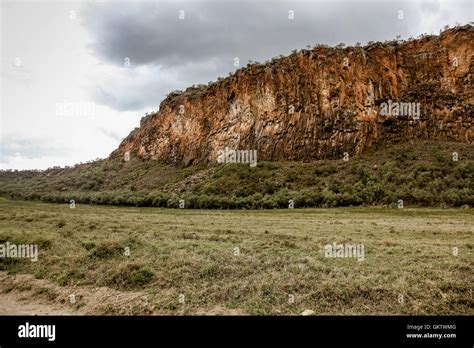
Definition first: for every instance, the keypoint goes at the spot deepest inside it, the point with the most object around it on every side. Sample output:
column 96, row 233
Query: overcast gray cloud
column 202, row 44
column 29, row 148
column 153, row 33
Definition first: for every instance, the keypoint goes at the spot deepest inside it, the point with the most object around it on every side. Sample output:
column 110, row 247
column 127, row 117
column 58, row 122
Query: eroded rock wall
column 319, row 103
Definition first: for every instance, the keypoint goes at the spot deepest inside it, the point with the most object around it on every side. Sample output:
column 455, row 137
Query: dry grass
column 408, row 252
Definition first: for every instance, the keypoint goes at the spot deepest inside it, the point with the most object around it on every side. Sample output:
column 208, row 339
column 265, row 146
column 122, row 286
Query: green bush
column 129, row 276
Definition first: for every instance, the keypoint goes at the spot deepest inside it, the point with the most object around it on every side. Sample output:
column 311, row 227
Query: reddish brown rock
column 319, row 103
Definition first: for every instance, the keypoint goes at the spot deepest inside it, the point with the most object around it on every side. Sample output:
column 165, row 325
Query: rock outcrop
column 320, row 103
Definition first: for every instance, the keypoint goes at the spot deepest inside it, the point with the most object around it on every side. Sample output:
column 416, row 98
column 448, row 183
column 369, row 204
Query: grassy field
column 248, row 261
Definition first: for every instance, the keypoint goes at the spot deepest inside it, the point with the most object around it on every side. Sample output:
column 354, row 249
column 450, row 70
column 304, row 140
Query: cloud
column 111, row 134
column 28, row 148
column 141, row 88
column 153, row 33
column 166, row 52
column 174, row 45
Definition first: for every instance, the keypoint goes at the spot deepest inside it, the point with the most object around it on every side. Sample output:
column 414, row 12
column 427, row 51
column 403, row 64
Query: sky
column 77, row 76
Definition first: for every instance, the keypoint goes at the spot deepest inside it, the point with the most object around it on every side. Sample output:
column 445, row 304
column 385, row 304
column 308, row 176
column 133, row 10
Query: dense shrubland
column 422, row 173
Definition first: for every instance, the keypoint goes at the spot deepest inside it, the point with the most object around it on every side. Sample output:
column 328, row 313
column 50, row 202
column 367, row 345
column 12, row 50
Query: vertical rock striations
column 320, row 103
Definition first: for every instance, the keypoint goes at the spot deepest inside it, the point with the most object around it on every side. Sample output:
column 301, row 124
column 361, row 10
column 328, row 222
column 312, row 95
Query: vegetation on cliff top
column 197, row 90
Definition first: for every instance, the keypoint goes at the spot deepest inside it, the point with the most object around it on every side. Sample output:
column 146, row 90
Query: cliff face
column 320, row 103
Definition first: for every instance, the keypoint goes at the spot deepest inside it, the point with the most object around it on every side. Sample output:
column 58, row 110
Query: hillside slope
column 418, row 172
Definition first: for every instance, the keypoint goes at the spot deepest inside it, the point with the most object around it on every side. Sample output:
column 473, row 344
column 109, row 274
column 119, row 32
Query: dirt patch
column 16, row 304
column 25, row 295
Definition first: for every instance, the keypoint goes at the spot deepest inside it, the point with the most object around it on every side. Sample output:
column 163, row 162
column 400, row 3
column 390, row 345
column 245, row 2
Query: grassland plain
column 241, row 261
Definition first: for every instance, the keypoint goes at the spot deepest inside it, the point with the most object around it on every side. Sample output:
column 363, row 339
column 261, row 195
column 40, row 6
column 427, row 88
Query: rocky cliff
column 320, row 103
